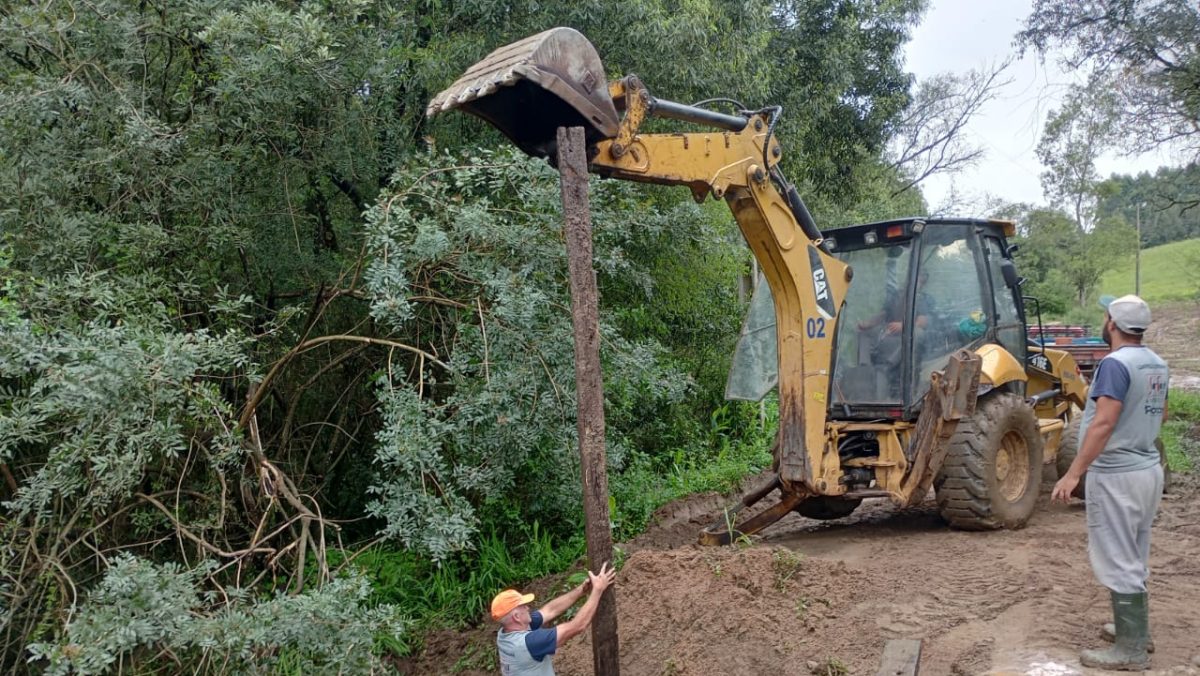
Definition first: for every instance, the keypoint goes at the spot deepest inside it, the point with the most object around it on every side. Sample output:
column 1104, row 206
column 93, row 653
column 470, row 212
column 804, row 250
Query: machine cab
column 922, row 289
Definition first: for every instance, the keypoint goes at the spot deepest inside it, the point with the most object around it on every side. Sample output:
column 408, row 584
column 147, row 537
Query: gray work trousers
column 1120, row 510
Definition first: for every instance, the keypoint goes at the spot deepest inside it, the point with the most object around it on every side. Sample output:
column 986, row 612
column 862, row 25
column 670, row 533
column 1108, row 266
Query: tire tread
column 962, row 487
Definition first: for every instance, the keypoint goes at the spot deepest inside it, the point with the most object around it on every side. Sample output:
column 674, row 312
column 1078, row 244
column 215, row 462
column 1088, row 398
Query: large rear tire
column 1068, row 448
column 993, row 470
column 825, row 508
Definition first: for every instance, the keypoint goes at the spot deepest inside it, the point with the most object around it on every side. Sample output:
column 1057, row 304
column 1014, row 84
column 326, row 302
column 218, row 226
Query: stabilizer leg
column 727, row 530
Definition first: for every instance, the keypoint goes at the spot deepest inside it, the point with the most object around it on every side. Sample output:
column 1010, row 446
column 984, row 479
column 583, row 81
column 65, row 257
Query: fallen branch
column 264, row 386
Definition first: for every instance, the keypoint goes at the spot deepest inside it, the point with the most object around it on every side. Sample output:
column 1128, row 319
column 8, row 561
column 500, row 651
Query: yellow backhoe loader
column 917, row 375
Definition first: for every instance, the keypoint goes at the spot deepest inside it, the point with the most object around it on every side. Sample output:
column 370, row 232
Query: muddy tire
column 1068, row 448
column 993, row 470
column 825, row 508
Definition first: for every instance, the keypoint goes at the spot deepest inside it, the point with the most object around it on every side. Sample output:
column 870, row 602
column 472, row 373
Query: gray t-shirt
column 1138, row 378
column 528, row 653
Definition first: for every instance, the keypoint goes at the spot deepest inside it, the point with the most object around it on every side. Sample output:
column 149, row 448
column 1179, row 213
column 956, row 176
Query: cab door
column 949, row 305
column 1006, row 316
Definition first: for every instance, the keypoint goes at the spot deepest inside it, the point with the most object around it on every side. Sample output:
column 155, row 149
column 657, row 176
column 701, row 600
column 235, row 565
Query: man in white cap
column 1127, row 404
column 526, row 647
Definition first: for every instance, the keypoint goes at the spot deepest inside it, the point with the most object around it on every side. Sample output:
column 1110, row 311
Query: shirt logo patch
column 1156, row 394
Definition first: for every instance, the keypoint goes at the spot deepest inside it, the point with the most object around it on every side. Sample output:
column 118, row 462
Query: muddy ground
column 824, row 597
column 815, row 597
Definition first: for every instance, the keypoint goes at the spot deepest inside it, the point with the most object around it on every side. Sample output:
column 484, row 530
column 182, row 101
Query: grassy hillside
column 1169, row 272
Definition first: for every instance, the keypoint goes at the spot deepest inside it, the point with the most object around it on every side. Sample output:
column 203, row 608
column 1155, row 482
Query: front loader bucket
column 530, row 88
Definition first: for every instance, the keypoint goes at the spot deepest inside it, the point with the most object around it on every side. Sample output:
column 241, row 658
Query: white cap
column 1130, row 313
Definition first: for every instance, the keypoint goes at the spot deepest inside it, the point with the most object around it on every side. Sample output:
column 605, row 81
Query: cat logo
column 820, row 284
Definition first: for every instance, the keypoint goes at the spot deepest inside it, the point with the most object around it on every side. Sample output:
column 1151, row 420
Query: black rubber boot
column 1131, row 615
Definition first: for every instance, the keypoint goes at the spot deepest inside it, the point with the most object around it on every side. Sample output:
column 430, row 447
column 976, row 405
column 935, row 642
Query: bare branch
column 931, row 137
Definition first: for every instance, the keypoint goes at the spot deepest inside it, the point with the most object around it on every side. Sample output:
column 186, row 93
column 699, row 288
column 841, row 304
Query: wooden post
column 589, row 388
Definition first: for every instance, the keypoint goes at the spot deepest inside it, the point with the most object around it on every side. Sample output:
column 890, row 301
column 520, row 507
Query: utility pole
column 1137, row 256
column 589, row 387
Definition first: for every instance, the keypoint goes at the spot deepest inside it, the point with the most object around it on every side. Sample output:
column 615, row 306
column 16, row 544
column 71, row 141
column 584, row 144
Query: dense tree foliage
column 843, row 88
column 1165, row 203
column 1060, row 260
column 254, row 308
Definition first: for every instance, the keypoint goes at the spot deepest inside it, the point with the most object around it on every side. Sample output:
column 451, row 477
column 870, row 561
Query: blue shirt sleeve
column 542, row 642
column 1111, row 380
column 536, row 620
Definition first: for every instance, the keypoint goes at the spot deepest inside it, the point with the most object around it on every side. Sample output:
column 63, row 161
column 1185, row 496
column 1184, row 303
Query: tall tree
column 1145, row 53
column 1061, row 261
column 929, row 138
column 1074, row 137
column 843, row 89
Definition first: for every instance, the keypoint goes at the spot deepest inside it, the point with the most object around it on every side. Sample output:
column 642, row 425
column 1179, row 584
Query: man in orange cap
column 526, row 647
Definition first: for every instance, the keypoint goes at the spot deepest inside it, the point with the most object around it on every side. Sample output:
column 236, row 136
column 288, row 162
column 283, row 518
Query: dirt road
column 823, row 597
column 833, row 593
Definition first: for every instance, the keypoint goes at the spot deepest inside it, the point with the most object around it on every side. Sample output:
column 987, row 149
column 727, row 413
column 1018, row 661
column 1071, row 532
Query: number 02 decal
column 815, row 327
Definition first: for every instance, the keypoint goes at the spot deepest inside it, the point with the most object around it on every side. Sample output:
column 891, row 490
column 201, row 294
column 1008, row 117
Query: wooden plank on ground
column 901, row 657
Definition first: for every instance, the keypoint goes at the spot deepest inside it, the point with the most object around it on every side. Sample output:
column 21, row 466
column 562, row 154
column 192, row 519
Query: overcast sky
column 960, row 35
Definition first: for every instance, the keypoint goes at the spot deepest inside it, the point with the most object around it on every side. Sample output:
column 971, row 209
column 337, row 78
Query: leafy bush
column 141, row 611
column 477, row 240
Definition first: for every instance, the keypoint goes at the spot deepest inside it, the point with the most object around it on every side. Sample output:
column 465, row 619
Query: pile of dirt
column 711, row 611
column 1173, row 336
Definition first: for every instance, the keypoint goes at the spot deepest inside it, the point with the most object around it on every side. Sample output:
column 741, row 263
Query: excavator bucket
column 530, row 88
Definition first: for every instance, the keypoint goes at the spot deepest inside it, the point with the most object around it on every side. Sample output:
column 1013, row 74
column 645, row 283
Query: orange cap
column 506, row 600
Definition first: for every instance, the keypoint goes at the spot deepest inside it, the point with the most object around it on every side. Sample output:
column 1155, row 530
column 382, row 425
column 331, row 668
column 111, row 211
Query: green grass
column 1170, row 272
column 458, row 591
column 646, row 484
column 1182, row 445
